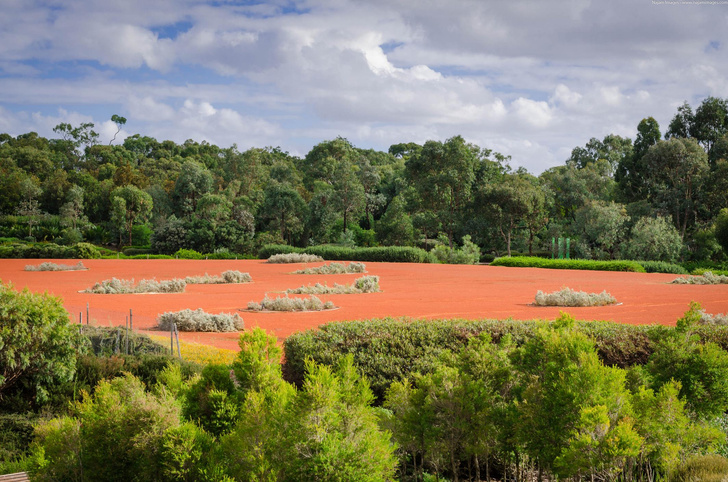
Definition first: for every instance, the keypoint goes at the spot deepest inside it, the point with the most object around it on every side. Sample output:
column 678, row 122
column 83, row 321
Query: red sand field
column 415, row 290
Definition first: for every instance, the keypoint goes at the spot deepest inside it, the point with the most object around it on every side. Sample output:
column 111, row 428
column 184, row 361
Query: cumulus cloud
column 529, row 78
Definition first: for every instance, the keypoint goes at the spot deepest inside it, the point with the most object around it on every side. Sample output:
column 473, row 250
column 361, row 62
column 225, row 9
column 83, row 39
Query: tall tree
column 677, row 170
column 631, row 171
column 130, row 206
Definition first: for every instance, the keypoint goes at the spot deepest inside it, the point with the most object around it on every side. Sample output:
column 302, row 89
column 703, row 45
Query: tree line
column 657, row 197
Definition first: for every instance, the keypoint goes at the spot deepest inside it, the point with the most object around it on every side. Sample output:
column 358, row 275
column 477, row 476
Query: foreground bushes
column 390, row 254
column 533, row 262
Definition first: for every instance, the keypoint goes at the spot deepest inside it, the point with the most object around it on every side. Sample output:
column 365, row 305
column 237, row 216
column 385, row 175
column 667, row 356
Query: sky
column 529, row 79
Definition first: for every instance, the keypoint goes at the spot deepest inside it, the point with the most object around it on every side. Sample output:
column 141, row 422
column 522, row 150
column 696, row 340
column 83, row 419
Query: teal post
column 568, row 242
column 553, row 248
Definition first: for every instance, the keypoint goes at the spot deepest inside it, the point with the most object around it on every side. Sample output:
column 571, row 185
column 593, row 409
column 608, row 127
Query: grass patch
column 284, row 303
column 707, row 278
column 583, row 264
column 198, row 320
column 227, row 277
column 116, row 286
column 569, row 297
column 365, row 284
column 294, row 258
column 199, row 353
column 47, row 266
column 335, row 268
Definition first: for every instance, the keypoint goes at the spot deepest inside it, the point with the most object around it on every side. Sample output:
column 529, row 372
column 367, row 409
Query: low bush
column 187, row 254
column 284, row 303
column 662, row 267
column 388, row 350
column 569, row 297
column 49, row 250
column 703, row 468
column 230, row 276
column 335, row 268
column 386, row 254
column 106, row 341
column 198, row 320
column 707, row 278
column 294, row 258
column 115, row 286
column 365, row 284
column 469, row 253
column 720, row 319
column 702, row 271
column 47, row 266
column 584, row 264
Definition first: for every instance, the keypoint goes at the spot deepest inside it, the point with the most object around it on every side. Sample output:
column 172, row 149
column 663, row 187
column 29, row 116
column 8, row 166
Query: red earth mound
column 414, row 290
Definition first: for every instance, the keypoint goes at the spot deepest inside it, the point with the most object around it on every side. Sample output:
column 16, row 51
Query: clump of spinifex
column 569, row 297
column 335, row 268
column 284, row 303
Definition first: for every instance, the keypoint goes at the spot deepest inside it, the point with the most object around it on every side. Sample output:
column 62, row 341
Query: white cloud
column 535, row 113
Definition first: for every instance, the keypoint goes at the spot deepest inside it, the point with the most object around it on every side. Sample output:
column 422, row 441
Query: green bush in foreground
column 569, row 297
column 198, row 320
column 55, row 267
column 335, row 268
column 533, row 262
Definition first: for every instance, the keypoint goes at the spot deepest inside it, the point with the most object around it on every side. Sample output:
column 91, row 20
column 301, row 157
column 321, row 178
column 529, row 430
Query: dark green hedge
column 49, row 251
column 534, row 262
column 389, row 349
column 662, row 267
column 392, row 254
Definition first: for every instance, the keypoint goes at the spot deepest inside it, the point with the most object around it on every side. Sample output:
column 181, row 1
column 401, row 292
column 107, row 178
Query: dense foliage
column 650, row 198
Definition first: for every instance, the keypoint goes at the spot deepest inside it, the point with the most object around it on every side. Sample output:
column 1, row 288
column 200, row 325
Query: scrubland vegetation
column 226, row 277
column 335, row 268
column 198, row 320
column 284, row 303
column 294, row 258
column 707, row 278
column 115, row 286
column 569, row 297
column 365, row 284
column 47, row 266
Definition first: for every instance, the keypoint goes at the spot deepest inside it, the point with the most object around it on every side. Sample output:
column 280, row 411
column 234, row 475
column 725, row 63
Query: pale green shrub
column 115, row 286
column 365, row 284
column 284, row 303
column 55, row 267
column 198, row 320
column 717, row 319
column 230, row 276
column 707, row 278
column 569, row 297
column 335, row 268
column 294, row 258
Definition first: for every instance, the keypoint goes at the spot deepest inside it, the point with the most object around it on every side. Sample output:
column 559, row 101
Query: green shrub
column 115, row 286
column 702, row 468
column 133, row 251
column 468, row 254
column 187, row 254
column 387, row 350
column 534, row 262
column 335, row 268
column 47, row 266
column 662, row 267
column 284, row 303
column 569, row 297
column 702, row 271
column 386, row 254
column 106, row 341
column 38, row 346
column 294, row 258
column 198, row 320
column 230, row 276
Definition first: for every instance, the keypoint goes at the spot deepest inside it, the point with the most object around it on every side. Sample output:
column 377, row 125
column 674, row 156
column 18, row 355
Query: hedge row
column 49, row 251
column 392, row 254
column 386, row 350
column 586, row 264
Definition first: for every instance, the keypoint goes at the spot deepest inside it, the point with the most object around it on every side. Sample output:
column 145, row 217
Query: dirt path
column 415, row 290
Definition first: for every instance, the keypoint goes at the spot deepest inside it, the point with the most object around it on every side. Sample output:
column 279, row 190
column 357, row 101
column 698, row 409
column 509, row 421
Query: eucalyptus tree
column 129, row 206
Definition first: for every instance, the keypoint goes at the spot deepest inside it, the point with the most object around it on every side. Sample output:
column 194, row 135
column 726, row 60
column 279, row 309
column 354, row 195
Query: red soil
column 414, row 290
